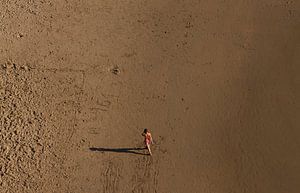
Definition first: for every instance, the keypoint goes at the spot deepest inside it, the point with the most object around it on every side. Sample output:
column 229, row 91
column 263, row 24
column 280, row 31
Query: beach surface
column 216, row 82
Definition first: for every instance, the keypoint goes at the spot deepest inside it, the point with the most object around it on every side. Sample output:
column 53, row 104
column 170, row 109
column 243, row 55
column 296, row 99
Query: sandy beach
column 216, row 82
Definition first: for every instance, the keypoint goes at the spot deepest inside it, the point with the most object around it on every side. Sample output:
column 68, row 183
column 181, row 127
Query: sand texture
column 216, row 82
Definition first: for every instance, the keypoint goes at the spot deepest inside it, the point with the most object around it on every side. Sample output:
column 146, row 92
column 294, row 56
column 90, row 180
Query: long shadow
column 119, row 150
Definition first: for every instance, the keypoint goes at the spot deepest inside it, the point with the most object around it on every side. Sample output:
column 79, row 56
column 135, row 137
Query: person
column 148, row 140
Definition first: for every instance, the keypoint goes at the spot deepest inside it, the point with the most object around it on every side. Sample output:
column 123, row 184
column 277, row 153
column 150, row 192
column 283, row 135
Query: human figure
column 148, row 140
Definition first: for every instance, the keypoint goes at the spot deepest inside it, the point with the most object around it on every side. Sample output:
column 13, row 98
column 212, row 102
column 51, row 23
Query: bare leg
column 148, row 146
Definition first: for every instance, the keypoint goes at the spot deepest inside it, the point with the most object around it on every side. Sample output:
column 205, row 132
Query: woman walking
column 148, row 140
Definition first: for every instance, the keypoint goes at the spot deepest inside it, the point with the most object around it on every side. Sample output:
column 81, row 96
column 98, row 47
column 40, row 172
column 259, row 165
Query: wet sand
column 216, row 82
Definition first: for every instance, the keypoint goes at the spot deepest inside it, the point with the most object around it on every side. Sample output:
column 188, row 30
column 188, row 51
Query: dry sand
column 216, row 82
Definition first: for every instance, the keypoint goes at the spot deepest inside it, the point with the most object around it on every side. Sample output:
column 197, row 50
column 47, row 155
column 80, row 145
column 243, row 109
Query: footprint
column 93, row 131
column 145, row 178
column 111, row 175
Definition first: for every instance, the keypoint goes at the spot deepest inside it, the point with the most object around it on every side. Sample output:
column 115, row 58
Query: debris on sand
column 116, row 70
column 19, row 35
column 26, row 68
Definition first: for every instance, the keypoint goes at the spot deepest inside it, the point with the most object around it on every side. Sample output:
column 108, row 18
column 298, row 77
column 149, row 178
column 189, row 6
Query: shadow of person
column 119, row 150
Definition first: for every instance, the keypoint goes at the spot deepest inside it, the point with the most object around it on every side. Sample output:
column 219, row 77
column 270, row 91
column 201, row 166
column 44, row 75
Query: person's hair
column 145, row 130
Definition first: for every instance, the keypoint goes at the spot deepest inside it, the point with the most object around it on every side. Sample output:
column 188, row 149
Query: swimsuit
column 147, row 139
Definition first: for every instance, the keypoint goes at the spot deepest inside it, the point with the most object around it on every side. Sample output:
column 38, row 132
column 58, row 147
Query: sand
column 216, row 82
